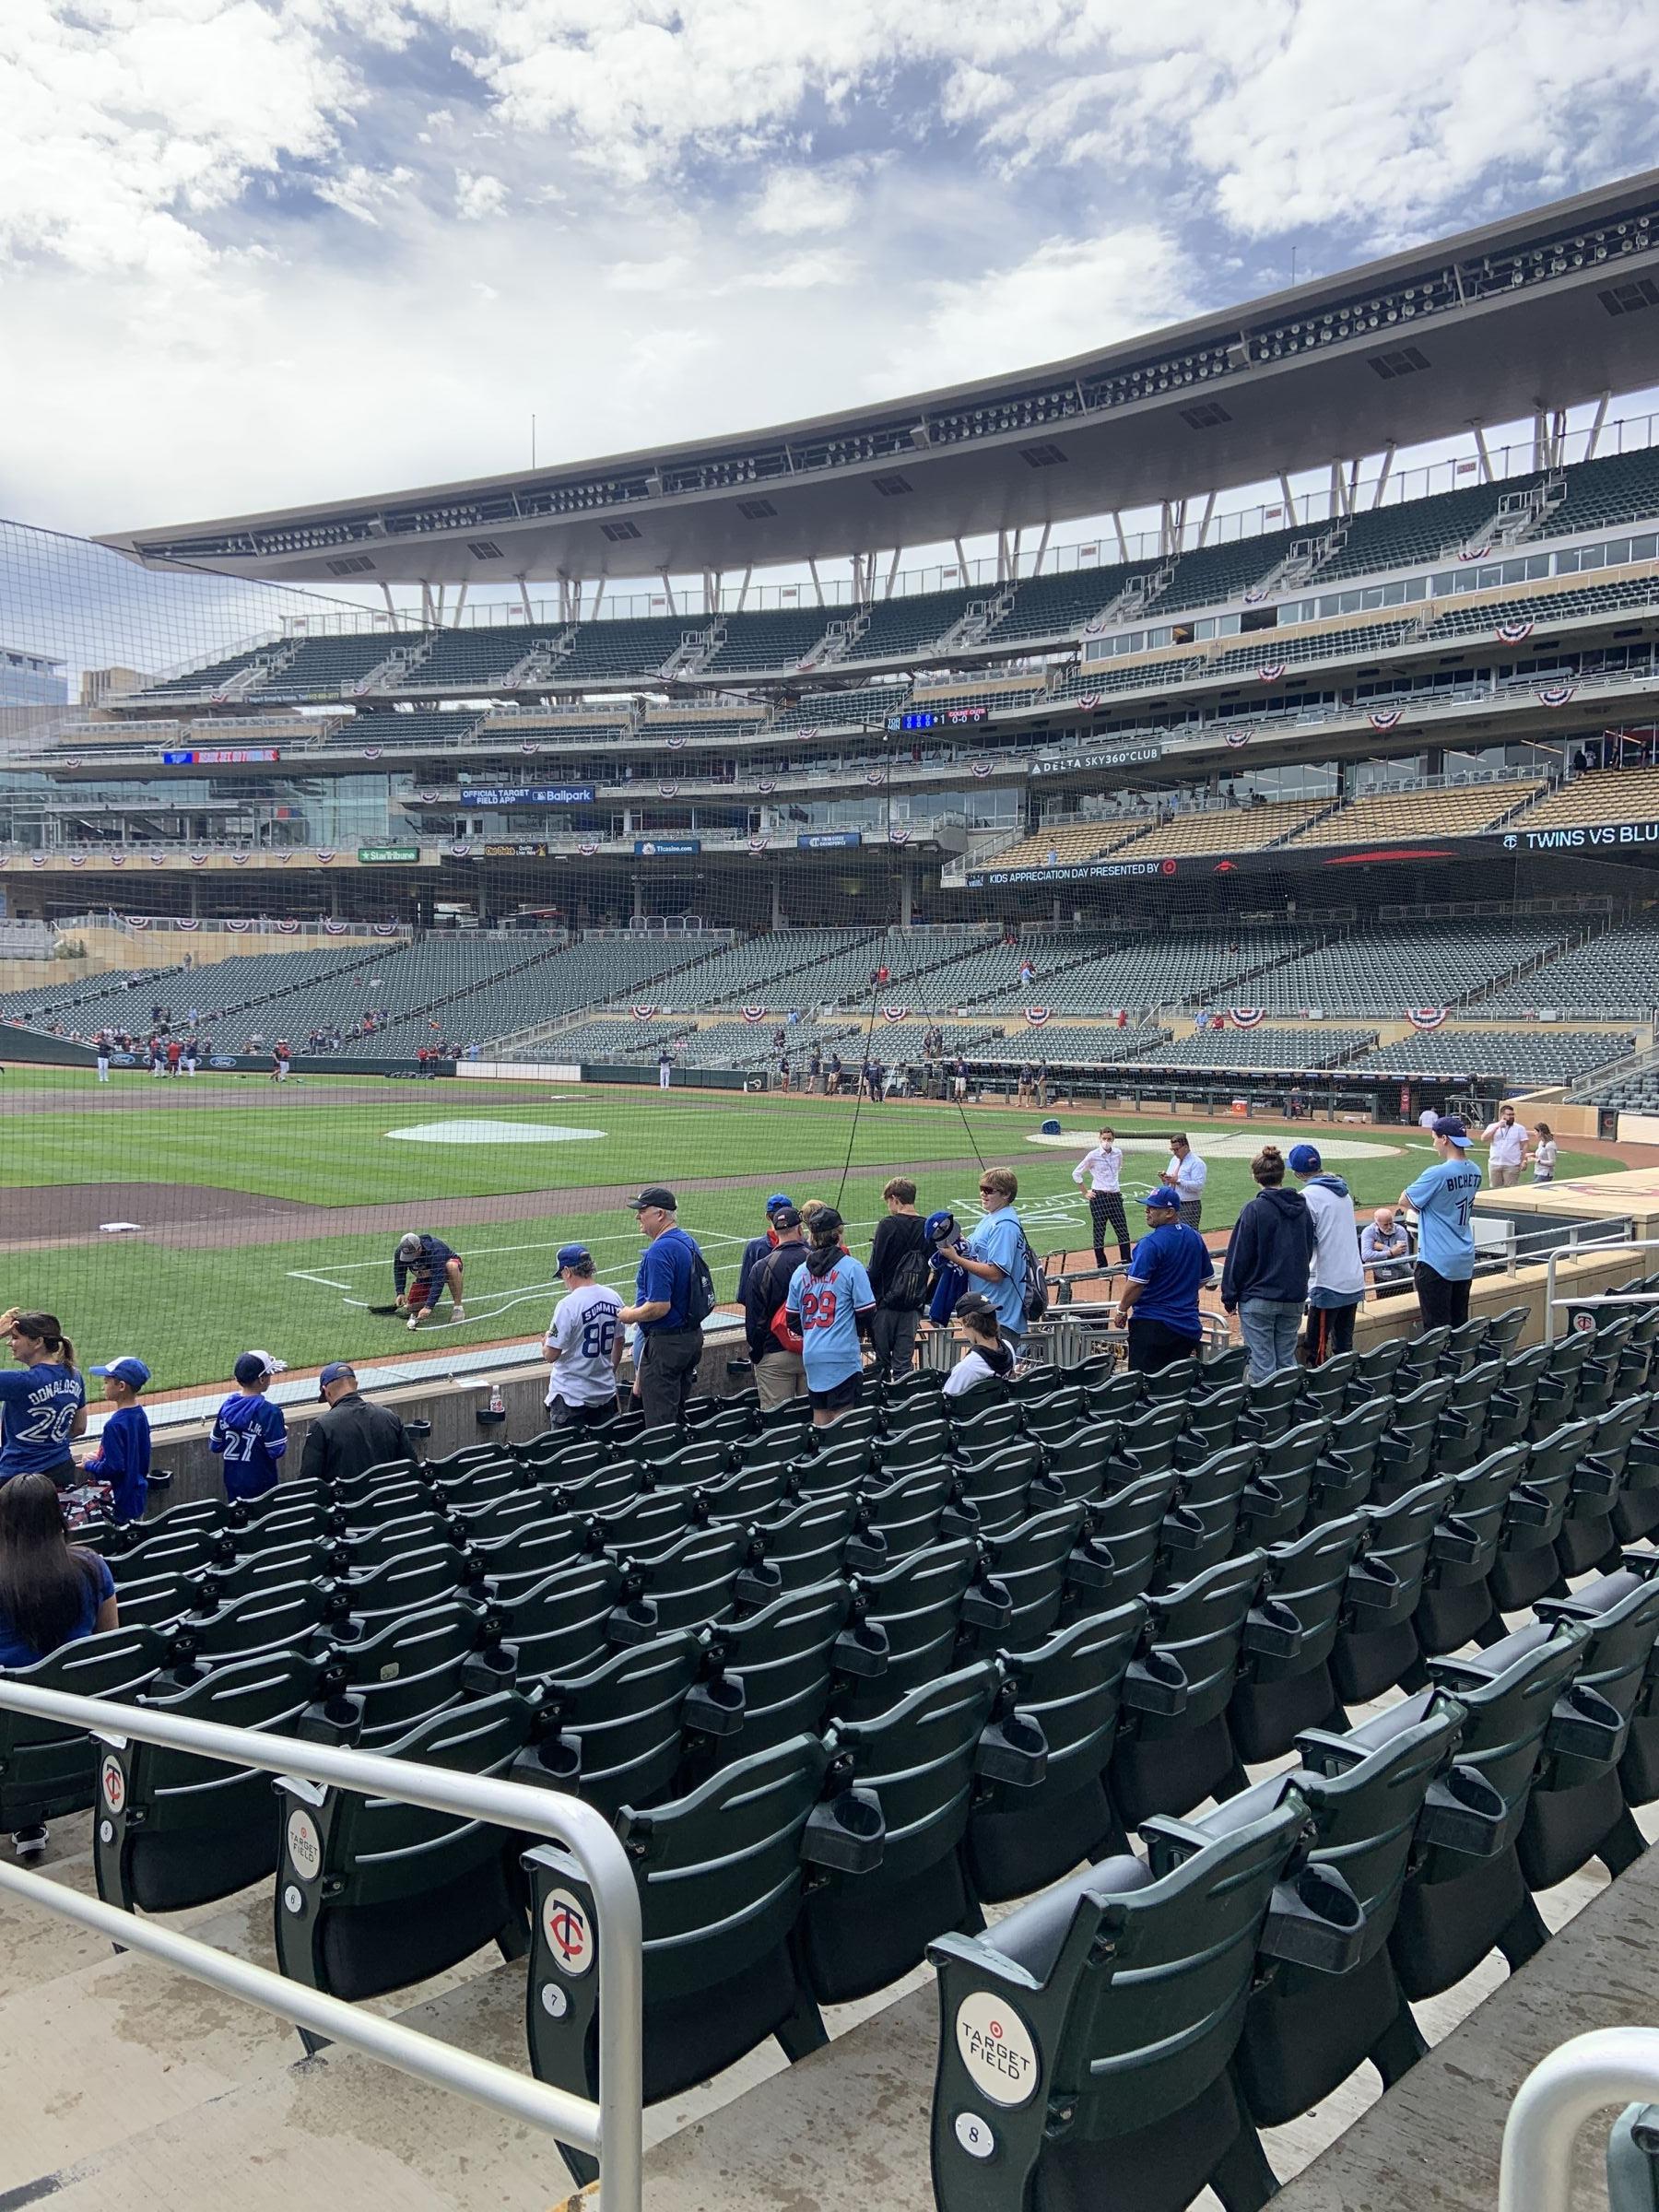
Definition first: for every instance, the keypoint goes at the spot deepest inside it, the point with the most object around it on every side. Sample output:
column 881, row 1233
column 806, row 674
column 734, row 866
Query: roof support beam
column 1041, row 549
column 892, row 574
column 1290, row 498
column 524, row 599
column 1386, row 471
column 1596, row 428
column 1117, row 523
column 668, row 591
column 599, row 596
column 1205, row 519
column 1480, row 447
column 391, row 606
column 961, row 560
column 460, row 604
column 817, row 582
column 743, row 593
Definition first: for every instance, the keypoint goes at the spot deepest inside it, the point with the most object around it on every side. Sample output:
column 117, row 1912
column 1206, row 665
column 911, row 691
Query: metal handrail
column 609, row 2128
column 1577, row 1251
column 1610, row 2065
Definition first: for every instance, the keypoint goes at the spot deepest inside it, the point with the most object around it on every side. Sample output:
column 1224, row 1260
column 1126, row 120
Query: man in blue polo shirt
column 671, row 1341
column 1443, row 1197
column 1159, row 1304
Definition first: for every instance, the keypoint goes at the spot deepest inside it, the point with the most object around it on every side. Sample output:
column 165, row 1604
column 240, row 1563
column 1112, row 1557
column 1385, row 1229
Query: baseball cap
column 256, row 1367
column 1165, row 1195
column 1305, row 1159
column 778, row 1200
column 409, row 1244
column 574, row 1255
column 825, row 1219
column 655, row 1194
column 942, row 1224
column 127, row 1370
column 338, row 1371
column 786, row 1216
column 1453, row 1130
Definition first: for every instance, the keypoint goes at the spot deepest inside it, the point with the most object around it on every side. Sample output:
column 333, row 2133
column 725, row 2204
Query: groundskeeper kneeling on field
column 422, row 1267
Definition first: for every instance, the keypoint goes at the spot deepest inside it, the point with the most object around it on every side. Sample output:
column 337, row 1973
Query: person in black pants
column 1159, row 1304
column 901, row 1291
column 1102, row 1169
column 671, row 1342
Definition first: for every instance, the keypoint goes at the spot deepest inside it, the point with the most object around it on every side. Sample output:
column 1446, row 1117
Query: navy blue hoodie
column 1270, row 1251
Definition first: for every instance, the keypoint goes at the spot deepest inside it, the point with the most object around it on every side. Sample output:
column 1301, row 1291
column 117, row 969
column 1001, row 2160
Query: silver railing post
column 611, row 2130
column 1549, row 1304
column 1611, row 2066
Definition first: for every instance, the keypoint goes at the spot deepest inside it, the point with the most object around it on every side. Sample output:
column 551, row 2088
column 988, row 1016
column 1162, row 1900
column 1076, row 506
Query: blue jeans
column 1270, row 1326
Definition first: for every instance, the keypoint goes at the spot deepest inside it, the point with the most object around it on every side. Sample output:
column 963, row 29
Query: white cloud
column 661, row 275
column 478, row 196
column 793, row 201
column 358, row 189
column 821, row 265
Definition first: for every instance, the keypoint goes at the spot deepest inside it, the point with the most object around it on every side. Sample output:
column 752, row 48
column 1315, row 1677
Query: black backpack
column 700, row 1299
column 1034, row 1297
column 911, row 1284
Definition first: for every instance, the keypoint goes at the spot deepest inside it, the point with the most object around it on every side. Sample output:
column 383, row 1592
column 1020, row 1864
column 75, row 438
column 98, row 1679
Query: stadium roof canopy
column 1514, row 318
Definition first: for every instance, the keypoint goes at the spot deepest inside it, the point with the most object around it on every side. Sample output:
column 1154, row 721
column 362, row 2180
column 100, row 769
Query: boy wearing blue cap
column 1443, row 1196
column 250, row 1433
column 761, row 1248
column 583, row 1345
column 122, row 1458
column 1159, row 1303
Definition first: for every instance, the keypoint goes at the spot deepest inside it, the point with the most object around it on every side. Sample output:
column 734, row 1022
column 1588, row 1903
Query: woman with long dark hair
column 43, row 1405
column 51, row 1593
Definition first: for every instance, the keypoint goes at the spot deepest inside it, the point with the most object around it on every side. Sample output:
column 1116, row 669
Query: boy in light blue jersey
column 1443, row 1198
column 831, row 1302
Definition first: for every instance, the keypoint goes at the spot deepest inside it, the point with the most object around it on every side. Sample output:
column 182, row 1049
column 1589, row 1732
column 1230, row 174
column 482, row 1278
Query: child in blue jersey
column 44, row 1404
column 1443, row 1196
column 249, row 1433
column 122, row 1458
column 830, row 1302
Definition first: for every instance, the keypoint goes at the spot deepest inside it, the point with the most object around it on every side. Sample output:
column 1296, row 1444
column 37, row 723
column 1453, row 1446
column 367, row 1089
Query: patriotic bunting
column 1270, row 671
column 1246, row 1018
column 895, row 1012
column 1554, row 694
column 1037, row 1015
column 1512, row 632
column 1425, row 1017
column 899, row 837
column 1238, row 737
column 754, row 1013
column 1383, row 718
column 643, row 1012
column 1476, row 552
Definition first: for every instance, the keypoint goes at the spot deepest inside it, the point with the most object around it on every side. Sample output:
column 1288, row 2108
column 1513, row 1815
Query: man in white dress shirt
column 1188, row 1173
column 1100, row 1170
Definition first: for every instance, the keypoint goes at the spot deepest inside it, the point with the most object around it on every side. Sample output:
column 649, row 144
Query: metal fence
column 608, row 2128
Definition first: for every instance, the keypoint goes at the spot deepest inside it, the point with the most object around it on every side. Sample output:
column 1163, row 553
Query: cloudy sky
column 254, row 252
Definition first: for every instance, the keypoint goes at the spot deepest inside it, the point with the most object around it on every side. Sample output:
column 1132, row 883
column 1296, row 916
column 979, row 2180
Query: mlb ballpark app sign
column 1583, row 837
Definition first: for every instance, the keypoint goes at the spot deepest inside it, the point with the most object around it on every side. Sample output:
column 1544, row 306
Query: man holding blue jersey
column 996, row 1253
column 1443, row 1199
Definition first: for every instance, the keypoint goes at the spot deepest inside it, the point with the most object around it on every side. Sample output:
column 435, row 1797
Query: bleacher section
column 1222, row 830
column 331, row 667
column 1289, row 1048
column 1069, row 1044
column 1066, row 846
column 1621, row 487
column 780, row 640
column 900, row 627
column 1614, row 977
column 213, row 675
column 1414, row 531
column 1176, row 967
column 1047, row 607
column 757, row 972
column 1389, row 817
column 847, row 709
column 1542, row 1053
column 1269, row 648
column 474, row 657
column 1212, row 575
column 1616, row 795
column 1407, row 964
column 638, row 647
column 420, row 727
column 1480, row 618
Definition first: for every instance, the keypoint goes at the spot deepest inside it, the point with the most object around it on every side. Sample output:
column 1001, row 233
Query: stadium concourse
column 382, row 982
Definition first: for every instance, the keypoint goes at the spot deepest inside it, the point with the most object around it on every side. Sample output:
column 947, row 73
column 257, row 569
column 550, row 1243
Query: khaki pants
column 1505, row 1178
column 779, row 1377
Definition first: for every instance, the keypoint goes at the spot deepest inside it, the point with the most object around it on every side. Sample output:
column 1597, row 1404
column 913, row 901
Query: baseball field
column 250, row 1215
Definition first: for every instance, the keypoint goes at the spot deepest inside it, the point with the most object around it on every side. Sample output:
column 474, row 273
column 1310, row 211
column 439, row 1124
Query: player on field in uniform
column 422, row 1267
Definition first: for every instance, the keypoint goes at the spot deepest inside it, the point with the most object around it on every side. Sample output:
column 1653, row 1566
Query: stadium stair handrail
column 609, row 2128
column 1610, row 2065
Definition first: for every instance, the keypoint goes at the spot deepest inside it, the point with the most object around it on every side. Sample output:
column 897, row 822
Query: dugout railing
column 608, row 2128
column 1610, row 2065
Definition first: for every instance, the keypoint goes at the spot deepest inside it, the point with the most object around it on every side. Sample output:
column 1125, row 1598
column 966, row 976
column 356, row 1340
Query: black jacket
column 766, row 1290
column 896, row 1235
column 1270, row 1251
column 350, row 1436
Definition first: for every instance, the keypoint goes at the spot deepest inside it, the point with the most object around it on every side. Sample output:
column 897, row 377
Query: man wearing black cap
column 583, row 1345
column 352, row 1435
column 774, row 1343
column 670, row 1301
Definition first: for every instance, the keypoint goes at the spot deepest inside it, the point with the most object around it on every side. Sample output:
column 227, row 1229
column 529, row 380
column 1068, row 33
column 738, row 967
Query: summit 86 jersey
column 583, row 1332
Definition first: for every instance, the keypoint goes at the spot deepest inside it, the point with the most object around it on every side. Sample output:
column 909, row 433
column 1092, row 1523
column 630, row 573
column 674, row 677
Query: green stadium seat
column 1133, row 1528
column 1167, row 1762
column 616, row 1736
column 786, row 1658
column 1456, row 1601
column 923, row 1605
column 47, row 1767
column 1377, row 1645
column 1280, row 1692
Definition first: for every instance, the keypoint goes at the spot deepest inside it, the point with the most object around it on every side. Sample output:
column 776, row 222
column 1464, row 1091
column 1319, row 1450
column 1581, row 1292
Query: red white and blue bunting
column 899, row 837
column 1554, row 694
column 1512, row 632
column 373, row 752
column 117, row 860
column 1037, row 1015
column 333, row 929
column 1238, row 737
column 1384, row 718
column 895, row 1012
column 667, row 790
column 1476, row 552
column 1425, row 1017
column 289, row 929
column 326, row 854
column 759, row 845
column 526, row 745
column 588, row 847
column 643, row 1012
column 1089, row 701
column 240, row 927
column 198, row 860
column 137, row 924
column 877, row 775
column 1269, row 672
column 674, row 744
column 754, row 1013
column 460, row 852
column 142, row 922
column 386, row 929
column 1246, row 1018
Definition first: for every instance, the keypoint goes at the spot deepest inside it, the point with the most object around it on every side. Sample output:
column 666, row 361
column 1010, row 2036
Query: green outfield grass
column 189, row 1312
